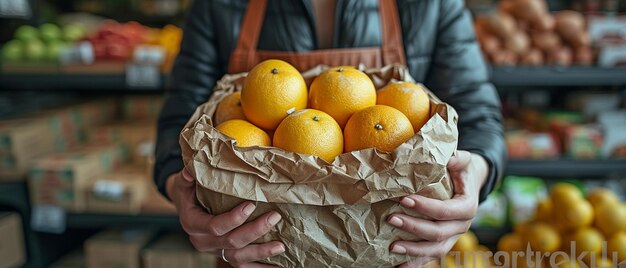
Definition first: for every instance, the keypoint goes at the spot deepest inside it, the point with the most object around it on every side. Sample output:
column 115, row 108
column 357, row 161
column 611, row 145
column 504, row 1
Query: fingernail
column 398, row 249
column 396, row 221
column 407, row 202
column 248, row 209
column 274, row 218
column 277, row 250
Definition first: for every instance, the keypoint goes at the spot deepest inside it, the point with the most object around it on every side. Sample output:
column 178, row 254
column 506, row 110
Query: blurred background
column 81, row 85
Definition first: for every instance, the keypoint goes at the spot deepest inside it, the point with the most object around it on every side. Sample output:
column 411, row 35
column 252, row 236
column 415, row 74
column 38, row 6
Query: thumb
column 460, row 161
column 187, row 177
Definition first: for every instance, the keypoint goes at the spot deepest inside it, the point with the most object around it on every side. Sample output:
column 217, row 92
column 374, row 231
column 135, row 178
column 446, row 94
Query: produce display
column 577, row 230
column 111, row 41
column 42, row 44
column 342, row 112
column 524, row 32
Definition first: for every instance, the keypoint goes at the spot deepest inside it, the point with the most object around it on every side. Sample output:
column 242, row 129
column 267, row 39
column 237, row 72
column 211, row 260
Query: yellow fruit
column 562, row 193
column 574, row 215
column 610, row 218
column 522, row 227
column 604, row 263
column 408, row 98
column 570, row 263
column 511, row 242
column 310, row 132
column 587, row 240
column 599, row 196
column 244, row 133
column 451, row 261
column 272, row 90
column 543, row 211
column 617, row 245
column 341, row 92
column 379, row 126
column 543, row 237
column 229, row 108
column 474, row 260
column 466, row 242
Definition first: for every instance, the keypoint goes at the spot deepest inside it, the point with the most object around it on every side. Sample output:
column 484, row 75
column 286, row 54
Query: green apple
column 26, row 33
column 53, row 50
column 73, row 32
column 12, row 51
column 34, row 50
column 50, row 32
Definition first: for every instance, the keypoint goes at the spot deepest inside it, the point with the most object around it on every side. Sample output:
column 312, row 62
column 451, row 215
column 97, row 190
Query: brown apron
column 246, row 56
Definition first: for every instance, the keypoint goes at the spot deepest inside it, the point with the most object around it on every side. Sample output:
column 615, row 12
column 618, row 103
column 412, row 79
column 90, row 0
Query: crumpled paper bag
column 333, row 215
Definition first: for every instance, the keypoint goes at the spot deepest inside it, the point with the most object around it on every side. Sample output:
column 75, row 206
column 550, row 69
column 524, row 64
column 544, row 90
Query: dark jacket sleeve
column 459, row 74
column 194, row 74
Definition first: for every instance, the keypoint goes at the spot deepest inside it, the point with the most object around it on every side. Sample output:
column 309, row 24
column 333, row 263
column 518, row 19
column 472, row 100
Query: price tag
column 15, row 9
column 48, row 219
column 81, row 53
column 143, row 76
column 109, row 190
column 146, row 149
column 147, row 54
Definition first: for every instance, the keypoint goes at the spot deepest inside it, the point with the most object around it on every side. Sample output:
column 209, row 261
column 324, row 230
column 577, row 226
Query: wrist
column 480, row 168
column 169, row 186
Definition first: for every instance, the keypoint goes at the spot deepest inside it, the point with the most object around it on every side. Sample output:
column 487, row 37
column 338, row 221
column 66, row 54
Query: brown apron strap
column 393, row 48
column 243, row 57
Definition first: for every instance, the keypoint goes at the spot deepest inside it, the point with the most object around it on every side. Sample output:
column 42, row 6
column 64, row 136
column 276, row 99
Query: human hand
column 448, row 218
column 226, row 233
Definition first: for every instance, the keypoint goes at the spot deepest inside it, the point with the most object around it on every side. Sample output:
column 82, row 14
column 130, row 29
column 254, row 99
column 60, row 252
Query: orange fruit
column 604, row 263
column 310, row 132
column 408, row 98
column 574, row 215
column 341, row 92
column 467, row 242
column 244, row 133
column 379, row 126
column 587, row 240
column 617, row 245
column 229, row 108
column 599, row 196
column 543, row 211
column 610, row 218
column 272, row 90
column 511, row 242
column 563, row 192
column 543, row 237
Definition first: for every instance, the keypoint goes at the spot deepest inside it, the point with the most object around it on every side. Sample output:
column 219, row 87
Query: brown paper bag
column 334, row 215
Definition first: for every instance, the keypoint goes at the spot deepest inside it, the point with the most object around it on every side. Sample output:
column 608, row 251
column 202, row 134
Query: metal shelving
column 73, row 82
column 558, row 76
column 566, row 168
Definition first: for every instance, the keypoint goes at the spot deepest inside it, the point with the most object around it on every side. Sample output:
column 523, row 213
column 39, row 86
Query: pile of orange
column 566, row 222
column 340, row 112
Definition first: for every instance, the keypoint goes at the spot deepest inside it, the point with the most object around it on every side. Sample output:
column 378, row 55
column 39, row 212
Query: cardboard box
column 116, row 248
column 141, row 107
column 206, row 260
column 139, row 136
column 172, row 250
column 75, row 259
column 53, row 130
column 12, row 252
column 122, row 191
column 60, row 179
column 156, row 203
column 21, row 141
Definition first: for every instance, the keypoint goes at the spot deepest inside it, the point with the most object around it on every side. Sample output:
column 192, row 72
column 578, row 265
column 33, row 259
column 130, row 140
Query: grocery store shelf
column 565, row 168
column 73, row 82
column 558, row 76
column 90, row 221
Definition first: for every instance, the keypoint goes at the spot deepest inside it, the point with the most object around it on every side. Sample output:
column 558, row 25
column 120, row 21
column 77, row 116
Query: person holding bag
column 433, row 38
